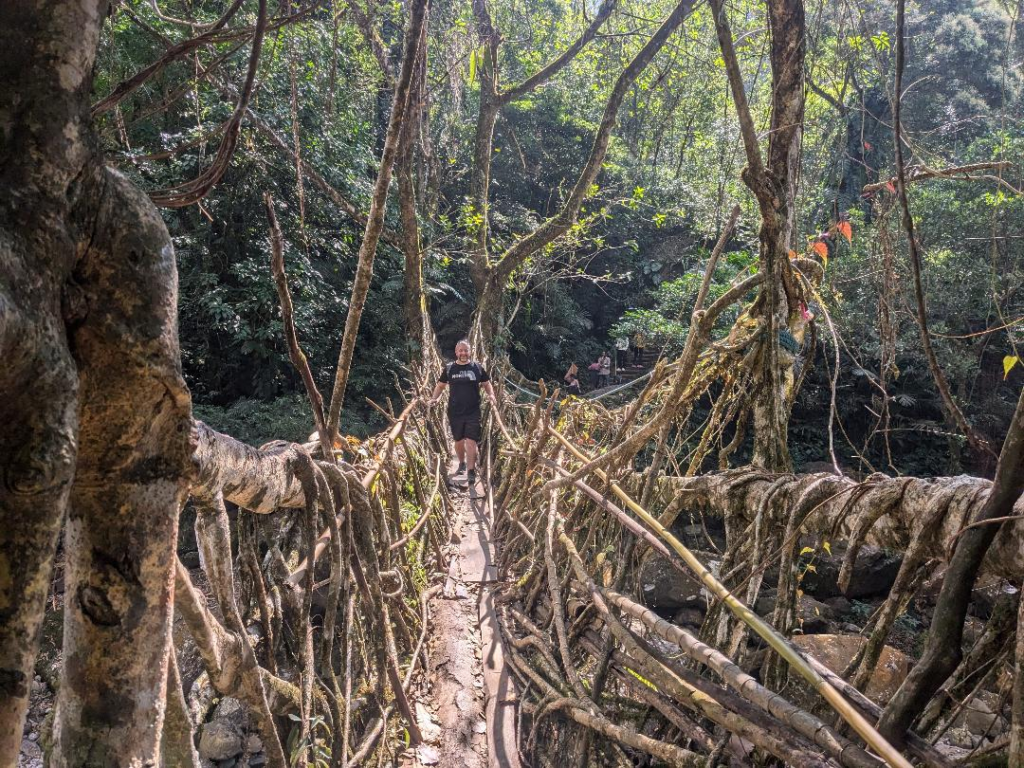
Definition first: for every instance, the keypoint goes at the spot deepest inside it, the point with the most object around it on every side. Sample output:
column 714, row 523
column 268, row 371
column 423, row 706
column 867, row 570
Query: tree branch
column 923, row 173
column 557, row 65
column 755, row 165
column 558, row 225
column 375, row 219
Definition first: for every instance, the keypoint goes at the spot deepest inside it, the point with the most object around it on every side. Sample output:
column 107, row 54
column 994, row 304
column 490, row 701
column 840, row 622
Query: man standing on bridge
column 465, row 377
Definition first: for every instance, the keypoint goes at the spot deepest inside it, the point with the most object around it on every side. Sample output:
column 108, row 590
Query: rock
column 51, row 643
column 666, row 587
column 31, row 754
column 229, row 709
column 812, row 616
column 837, row 651
column 689, row 617
column 257, row 760
column 839, row 604
column 960, row 737
column 253, row 744
column 874, row 573
column 980, row 720
column 427, row 755
column 995, row 702
column 220, row 740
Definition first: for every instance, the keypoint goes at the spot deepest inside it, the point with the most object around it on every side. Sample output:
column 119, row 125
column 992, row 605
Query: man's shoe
column 471, row 476
column 462, row 469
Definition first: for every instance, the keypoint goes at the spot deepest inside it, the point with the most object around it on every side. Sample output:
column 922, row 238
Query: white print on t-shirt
column 468, row 374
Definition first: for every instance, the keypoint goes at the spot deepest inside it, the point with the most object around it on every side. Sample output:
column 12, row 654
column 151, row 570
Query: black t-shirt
column 464, row 382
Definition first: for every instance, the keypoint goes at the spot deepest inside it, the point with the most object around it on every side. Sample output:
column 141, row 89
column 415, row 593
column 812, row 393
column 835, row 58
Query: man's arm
column 438, row 389
column 489, row 389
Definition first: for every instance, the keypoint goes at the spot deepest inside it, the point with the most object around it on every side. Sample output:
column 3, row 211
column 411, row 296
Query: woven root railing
column 322, row 656
column 604, row 680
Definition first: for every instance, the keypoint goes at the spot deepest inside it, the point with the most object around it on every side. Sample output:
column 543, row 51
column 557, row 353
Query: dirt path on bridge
column 467, row 711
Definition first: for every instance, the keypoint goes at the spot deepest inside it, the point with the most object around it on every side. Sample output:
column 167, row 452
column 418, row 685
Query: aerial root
column 362, row 563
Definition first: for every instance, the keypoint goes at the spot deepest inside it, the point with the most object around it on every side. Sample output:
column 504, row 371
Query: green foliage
column 634, row 260
column 667, row 322
column 315, row 748
column 256, row 422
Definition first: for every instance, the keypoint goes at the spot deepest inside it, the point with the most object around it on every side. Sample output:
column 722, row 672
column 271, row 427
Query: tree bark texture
column 774, row 186
column 260, row 480
column 422, row 345
column 131, row 480
column 884, row 511
column 91, row 380
column 375, row 218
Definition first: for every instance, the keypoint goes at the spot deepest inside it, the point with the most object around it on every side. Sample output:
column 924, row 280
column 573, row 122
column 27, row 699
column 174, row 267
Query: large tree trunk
column 422, row 345
column 885, row 511
column 46, row 55
column 132, row 475
column 774, row 185
column 87, row 306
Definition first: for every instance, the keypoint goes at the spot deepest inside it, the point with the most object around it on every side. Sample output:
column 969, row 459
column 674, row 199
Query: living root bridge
column 370, row 554
column 260, row 480
column 897, row 513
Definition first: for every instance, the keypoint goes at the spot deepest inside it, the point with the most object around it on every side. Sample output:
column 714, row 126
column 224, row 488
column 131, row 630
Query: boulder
column 31, row 754
column 874, row 573
column 837, row 651
column 692, row 618
column 231, row 709
column 663, row 586
column 812, row 616
column 961, row 737
column 839, row 604
column 980, row 720
column 220, row 740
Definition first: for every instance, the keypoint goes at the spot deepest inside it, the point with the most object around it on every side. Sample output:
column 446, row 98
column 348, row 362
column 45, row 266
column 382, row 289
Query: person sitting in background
column 572, row 373
column 574, row 385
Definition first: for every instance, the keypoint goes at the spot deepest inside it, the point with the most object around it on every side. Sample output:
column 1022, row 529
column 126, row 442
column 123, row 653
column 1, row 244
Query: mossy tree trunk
column 774, row 183
column 93, row 403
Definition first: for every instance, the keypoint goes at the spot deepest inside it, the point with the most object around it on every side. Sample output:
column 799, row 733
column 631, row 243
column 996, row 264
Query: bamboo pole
column 768, row 633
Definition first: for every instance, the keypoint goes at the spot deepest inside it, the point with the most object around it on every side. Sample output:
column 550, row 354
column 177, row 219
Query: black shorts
column 465, row 427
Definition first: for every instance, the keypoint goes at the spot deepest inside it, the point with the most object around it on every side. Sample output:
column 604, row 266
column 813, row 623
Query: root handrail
column 767, row 632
